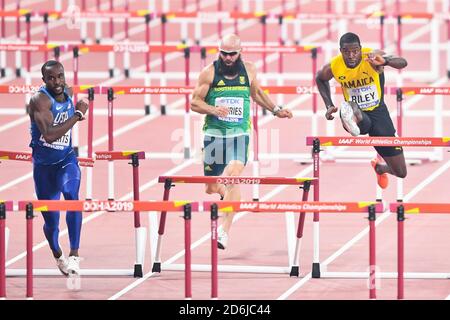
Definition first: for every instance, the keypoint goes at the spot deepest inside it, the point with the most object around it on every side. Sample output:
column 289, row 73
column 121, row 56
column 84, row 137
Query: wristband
column 276, row 109
column 386, row 61
column 79, row 114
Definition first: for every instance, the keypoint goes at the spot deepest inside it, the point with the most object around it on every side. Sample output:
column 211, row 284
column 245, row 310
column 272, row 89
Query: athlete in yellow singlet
column 360, row 72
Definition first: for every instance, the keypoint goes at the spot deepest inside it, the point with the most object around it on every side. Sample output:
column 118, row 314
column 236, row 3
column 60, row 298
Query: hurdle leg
column 400, row 252
column 162, row 223
column 140, row 232
column 301, row 222
column 214, row 253
column 29, row 238
column 187, row 249
column 372, row 254
column 316, row 238
column 3, row 240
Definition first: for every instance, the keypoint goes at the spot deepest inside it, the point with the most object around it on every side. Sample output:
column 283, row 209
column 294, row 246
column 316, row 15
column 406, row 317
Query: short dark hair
column 50, row 63
column 349, row 37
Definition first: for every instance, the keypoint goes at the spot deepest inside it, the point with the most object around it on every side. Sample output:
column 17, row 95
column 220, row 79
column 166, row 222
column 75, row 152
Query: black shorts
column 378, row 123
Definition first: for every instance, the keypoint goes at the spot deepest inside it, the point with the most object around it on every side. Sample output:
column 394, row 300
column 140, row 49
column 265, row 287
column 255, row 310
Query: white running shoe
column 62, row 263
column 73, row 267
column 347, row 119
column 222, row 239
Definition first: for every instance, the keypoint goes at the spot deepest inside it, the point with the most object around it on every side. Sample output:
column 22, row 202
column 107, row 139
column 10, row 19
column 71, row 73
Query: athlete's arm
column 40, row 106
column 259, row 96
column 323, row 77
column 378, row 59
column 198, row 103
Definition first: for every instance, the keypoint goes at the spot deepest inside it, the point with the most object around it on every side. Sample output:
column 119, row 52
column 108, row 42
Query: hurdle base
column 147, row 110
column 156, row 267
column 138, row 272
column 83, row 272
column 294, row 271
column 111, row 73
column 227, row 268
column 3, row 73
column 163, row 109
column 18, row 73
column 384, row 275
column 315, row 273
column 127, row 73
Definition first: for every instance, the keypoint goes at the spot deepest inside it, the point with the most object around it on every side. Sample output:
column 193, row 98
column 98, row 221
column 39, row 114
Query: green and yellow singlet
column 233, row 94
column 362, row 84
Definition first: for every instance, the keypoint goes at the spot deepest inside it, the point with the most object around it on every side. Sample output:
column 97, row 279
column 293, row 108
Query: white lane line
column 14, row 123
column 12, row 183
column 365, row 231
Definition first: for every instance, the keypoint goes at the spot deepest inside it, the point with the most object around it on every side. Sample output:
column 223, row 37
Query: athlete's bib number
column 235, row 108
column 64, row 141
column 365, row 97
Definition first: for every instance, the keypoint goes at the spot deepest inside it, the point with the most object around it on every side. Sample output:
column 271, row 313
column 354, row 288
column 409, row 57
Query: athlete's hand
column 284, row 113
column 330, row 111
column 375, row 60
column 220, row 111
column 82, row 106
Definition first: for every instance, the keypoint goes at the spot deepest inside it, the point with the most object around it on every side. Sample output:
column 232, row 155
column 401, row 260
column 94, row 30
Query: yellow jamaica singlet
column 361, row 84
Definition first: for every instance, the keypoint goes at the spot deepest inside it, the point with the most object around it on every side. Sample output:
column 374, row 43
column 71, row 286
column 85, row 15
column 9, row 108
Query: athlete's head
column 230, row 55
column 350, row 48
column 53, row 77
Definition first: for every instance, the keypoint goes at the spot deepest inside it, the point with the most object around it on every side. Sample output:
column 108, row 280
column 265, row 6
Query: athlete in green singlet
column 223, row 94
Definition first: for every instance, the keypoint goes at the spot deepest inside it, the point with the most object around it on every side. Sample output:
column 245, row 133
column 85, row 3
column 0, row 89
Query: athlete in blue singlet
column 55, row 166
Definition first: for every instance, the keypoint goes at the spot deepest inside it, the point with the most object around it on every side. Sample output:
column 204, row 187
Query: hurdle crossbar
column 26, row 156
column 381, row 141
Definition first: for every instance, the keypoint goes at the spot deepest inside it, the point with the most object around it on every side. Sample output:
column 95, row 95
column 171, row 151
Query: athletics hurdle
column 303, row 183
column 413, row 208
column 317, row 142
column 140, row 232
column 79, row 205
column 332, row 207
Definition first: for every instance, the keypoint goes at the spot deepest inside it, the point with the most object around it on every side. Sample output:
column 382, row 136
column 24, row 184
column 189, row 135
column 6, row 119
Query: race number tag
column 365, row 97
column 235, row 108
column 64, row 141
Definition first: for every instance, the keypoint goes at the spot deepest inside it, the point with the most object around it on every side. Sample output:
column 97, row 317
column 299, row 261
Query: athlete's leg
column 237, row 149
column 395, row 165
column 393, row 156
column 232, row 191
column 213, row 163
column 47, row 188
column 69, row 177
